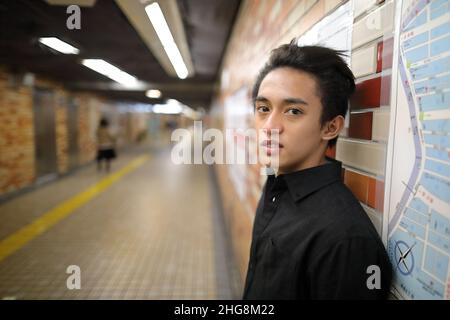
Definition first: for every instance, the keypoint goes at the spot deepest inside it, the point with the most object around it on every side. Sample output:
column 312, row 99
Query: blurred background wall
column 47, row 130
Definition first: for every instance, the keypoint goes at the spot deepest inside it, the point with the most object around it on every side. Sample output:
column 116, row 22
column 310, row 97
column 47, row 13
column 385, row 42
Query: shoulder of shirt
column 336, row 198
column 342, row 217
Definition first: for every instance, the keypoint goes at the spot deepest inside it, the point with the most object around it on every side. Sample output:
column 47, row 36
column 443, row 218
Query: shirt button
column 273, row 199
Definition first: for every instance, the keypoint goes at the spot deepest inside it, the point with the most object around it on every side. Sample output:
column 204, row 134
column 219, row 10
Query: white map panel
column 419, row 206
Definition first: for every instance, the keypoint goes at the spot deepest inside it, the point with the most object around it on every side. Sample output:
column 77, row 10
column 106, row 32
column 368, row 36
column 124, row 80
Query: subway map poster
column 418, row 215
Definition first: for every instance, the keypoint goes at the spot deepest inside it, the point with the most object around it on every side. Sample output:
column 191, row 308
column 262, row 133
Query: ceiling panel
column 106, row 33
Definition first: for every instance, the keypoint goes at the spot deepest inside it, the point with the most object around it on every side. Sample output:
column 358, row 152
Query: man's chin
column 285, row 166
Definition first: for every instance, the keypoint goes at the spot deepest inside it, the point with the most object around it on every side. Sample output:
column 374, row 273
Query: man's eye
column 294, row 111
column 262, row 109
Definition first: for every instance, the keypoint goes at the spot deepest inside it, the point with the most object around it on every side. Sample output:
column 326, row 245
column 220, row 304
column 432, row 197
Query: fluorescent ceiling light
column 59, row 45
column 167, row 108
column 153, row 93
column 158, row 21
column 172, row 101
column 112, row 72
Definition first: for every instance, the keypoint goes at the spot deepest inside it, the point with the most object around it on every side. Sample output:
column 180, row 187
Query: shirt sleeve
column 355, row 269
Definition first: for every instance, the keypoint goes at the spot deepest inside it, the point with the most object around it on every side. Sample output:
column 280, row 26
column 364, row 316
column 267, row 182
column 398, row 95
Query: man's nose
column 273, row 124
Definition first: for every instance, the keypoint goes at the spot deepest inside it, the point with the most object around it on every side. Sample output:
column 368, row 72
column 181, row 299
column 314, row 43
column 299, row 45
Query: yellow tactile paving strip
column 52, row 194
column 148, row 235
column 47, row 220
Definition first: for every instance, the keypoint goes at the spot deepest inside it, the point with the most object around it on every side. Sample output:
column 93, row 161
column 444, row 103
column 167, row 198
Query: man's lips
column 271, row 144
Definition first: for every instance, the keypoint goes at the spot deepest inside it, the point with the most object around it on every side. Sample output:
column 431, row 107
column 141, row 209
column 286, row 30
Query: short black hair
column 335, row 81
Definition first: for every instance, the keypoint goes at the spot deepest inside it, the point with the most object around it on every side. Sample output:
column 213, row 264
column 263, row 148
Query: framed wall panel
column 366, row 156
column 364, row 61
column 361, row 6
column 384, row 54
column 358, row 184
column 360, row 126
column 367, row 94
column 380, row 125
column 375, row 195
column 367, row 189
column 374, row 25
column 371, row 93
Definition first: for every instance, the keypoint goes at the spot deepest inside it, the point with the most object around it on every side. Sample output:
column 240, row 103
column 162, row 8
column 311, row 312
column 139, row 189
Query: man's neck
column 311, row 164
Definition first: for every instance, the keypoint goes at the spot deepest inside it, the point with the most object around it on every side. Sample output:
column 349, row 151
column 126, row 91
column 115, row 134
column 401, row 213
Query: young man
column 311, row 237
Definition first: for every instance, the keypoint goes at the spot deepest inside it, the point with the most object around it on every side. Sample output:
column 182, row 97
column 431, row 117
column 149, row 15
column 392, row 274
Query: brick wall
column 16, row 135
column 17, row 146
column 88, row 115
column 62, row 138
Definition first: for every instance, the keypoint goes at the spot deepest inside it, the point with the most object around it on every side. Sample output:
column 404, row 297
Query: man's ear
column 332, row 128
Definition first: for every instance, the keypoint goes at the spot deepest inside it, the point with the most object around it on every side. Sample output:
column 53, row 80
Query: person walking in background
column 105, row 145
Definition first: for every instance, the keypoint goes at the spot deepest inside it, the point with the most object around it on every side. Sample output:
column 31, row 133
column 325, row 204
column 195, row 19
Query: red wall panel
column 361, row 126
column 371, row 93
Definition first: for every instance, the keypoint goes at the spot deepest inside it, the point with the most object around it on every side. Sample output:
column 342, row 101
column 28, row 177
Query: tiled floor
column 157, row 233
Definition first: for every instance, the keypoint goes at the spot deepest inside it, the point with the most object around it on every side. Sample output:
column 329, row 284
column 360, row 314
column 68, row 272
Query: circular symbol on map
column 404, row 257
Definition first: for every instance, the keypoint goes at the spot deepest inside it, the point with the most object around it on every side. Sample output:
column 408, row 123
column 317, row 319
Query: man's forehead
column 288, row 83
column 288, row 74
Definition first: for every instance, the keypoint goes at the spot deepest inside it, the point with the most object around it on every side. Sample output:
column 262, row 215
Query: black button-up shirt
column 313, row 240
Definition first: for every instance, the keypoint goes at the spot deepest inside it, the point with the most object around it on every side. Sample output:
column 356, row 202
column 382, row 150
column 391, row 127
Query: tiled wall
column 362, row 148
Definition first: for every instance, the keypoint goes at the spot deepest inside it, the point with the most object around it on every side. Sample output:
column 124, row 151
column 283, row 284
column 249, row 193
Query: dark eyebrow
column 261, row 99
column 295, row 101
column 285, row 101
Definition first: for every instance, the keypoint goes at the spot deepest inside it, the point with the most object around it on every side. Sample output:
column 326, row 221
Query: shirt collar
column 304, row 182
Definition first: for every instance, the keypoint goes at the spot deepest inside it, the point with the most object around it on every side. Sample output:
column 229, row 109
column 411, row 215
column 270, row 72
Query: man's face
column 287, row 101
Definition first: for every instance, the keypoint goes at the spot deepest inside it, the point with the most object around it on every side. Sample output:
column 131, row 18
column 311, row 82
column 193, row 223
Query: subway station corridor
column 259, row 149
column 140, row 236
